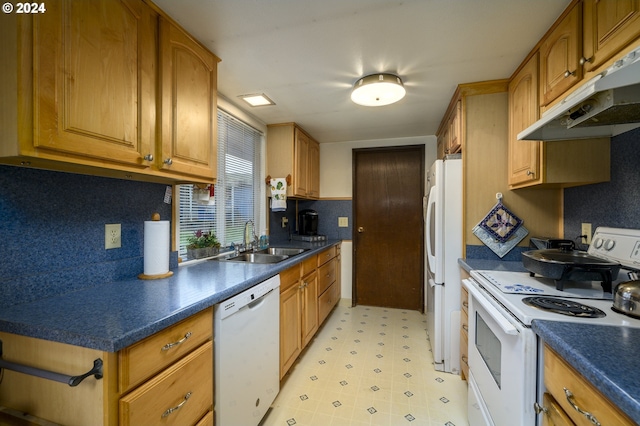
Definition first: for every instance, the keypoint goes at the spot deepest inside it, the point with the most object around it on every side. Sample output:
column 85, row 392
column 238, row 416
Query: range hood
column 606, row 105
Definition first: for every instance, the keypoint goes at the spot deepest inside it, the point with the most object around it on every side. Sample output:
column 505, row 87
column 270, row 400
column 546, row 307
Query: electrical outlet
column 343, row 222
column 586, row 230
column 112, row 238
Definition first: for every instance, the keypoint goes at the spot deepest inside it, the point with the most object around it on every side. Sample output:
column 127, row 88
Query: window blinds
column 237, row 191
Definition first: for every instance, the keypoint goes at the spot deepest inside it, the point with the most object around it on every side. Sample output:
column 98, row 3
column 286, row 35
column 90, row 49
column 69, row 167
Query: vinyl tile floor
column 369, row 366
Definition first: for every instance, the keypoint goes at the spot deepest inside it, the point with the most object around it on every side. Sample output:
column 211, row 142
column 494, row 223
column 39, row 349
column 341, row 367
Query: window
column 238, row 190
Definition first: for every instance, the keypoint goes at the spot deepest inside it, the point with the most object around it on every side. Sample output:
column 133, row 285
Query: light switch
column 343, row 222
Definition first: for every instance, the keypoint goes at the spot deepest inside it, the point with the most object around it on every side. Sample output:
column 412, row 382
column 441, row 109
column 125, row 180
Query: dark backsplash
column 615, row 203
column 328, row 213
column 52, row 231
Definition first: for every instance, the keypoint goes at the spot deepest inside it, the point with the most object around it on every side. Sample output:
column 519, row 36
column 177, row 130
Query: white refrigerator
column 443, row 235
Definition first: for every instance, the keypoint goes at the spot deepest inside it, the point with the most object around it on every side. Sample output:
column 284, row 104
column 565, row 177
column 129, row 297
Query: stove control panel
column 618, row 245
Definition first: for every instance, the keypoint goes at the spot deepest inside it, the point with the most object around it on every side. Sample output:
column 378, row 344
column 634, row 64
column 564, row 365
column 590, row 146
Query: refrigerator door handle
column 430, row 203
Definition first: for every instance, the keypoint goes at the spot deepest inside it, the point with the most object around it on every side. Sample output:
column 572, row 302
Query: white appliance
column 443, row 234
column 247, row 354
column 505, row 355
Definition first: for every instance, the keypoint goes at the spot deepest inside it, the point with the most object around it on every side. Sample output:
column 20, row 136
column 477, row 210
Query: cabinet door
column 560, row 53
column 313, row 170
column 188, row 104
column 524, row 156
column 301, row 155
column 290, row 328
column 310, row 307
column 94, row 80
column 609, row 26
column 455, row 130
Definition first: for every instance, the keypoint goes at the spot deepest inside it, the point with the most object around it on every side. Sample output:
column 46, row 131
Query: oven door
column 502, row 363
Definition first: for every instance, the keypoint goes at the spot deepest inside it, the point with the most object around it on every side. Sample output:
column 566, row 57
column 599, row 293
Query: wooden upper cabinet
column 94, row 80
column 291, row 151
column 560, row 54
column 188, row 104
column 609, row 26
column 313, row 171
column 524, row 156
column 450, row 134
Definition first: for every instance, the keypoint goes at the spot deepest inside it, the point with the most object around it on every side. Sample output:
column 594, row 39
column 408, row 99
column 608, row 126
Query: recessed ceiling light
column 378, row 90
column 257, row 100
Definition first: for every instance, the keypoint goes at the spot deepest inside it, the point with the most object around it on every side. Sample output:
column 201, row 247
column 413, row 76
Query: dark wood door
column 388, row 240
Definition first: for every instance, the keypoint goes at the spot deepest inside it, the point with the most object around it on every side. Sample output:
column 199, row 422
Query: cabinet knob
column 168, row 161
column 584, row 60
column 568, row 73
column 148, row 157
column 360, row 229
column 530, row 173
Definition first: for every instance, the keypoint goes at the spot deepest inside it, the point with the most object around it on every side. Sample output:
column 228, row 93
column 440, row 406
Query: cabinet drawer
column 289, row 277
column 207, row 420
column 326, row 275
column 326, row 255
column 464, row 300
column 308, row 265
column 140, row 361
column 181, row 395
column 558, row 376
column 464, row 355
column 326, row 302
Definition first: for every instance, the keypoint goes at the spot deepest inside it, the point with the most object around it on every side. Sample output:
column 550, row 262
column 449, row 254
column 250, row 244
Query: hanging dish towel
column 500, row 230
column 278, row 195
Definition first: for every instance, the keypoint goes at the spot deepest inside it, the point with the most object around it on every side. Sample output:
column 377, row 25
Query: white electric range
column 505, row 357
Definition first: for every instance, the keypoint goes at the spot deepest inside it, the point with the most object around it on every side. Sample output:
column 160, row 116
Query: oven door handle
column 502, row 322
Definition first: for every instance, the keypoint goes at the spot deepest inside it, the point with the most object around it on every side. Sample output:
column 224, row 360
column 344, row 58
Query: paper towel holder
column 155, row 217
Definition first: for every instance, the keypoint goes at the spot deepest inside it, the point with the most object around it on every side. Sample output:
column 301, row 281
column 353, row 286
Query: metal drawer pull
column 465, row 304
column 540, row 409
column 179, row 342
column 571, row 402
column 465, row 359
column 465, row 327
column 177, row 407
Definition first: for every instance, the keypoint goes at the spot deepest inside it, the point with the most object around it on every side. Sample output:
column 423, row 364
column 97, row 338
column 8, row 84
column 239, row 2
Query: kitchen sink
column 287, row 251
column 257, row 258
column 269, row 255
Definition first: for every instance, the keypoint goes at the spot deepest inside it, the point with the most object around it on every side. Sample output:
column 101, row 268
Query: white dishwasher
column 247, row 354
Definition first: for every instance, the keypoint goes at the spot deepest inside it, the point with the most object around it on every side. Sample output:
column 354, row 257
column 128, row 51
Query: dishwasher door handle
column 254, row 304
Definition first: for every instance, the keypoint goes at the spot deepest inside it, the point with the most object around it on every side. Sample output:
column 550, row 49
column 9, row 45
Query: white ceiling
column 306, row 54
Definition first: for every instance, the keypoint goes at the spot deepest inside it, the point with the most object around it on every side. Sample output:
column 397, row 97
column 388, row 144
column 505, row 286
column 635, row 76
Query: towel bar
column 96, row 371
column 268, row 180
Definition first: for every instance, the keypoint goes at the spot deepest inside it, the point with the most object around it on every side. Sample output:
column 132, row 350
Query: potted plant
column 202, row 244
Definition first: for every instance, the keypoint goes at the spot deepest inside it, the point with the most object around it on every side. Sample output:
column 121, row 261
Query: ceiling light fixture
column 257, row 100
column 378, row 90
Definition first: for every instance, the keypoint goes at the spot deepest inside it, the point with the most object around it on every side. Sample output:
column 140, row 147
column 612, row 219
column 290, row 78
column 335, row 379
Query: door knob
column 360, row 229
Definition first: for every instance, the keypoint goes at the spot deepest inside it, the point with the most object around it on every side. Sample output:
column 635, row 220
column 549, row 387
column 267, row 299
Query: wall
column 336, row 190
column 52, row 231
column 615, row 203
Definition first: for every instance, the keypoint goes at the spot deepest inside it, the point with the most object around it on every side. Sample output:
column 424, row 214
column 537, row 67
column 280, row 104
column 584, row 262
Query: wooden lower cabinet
column 464, row 333
column 290, row 314
column 308, row 292
column 139, row 384
column 560, row 378
column 180, row 395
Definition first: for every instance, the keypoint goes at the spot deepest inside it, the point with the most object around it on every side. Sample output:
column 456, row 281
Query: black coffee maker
column 308, row 222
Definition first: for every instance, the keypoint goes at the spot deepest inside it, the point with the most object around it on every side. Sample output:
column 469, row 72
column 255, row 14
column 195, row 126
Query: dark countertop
column 606, row 356
column 490, row 265
column 115, row 315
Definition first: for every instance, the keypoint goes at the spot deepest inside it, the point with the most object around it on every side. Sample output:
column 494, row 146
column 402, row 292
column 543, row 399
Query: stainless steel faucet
column 253, row 244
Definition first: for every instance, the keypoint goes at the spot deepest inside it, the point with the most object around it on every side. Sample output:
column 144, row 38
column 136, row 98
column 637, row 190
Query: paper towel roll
column 156, row 247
